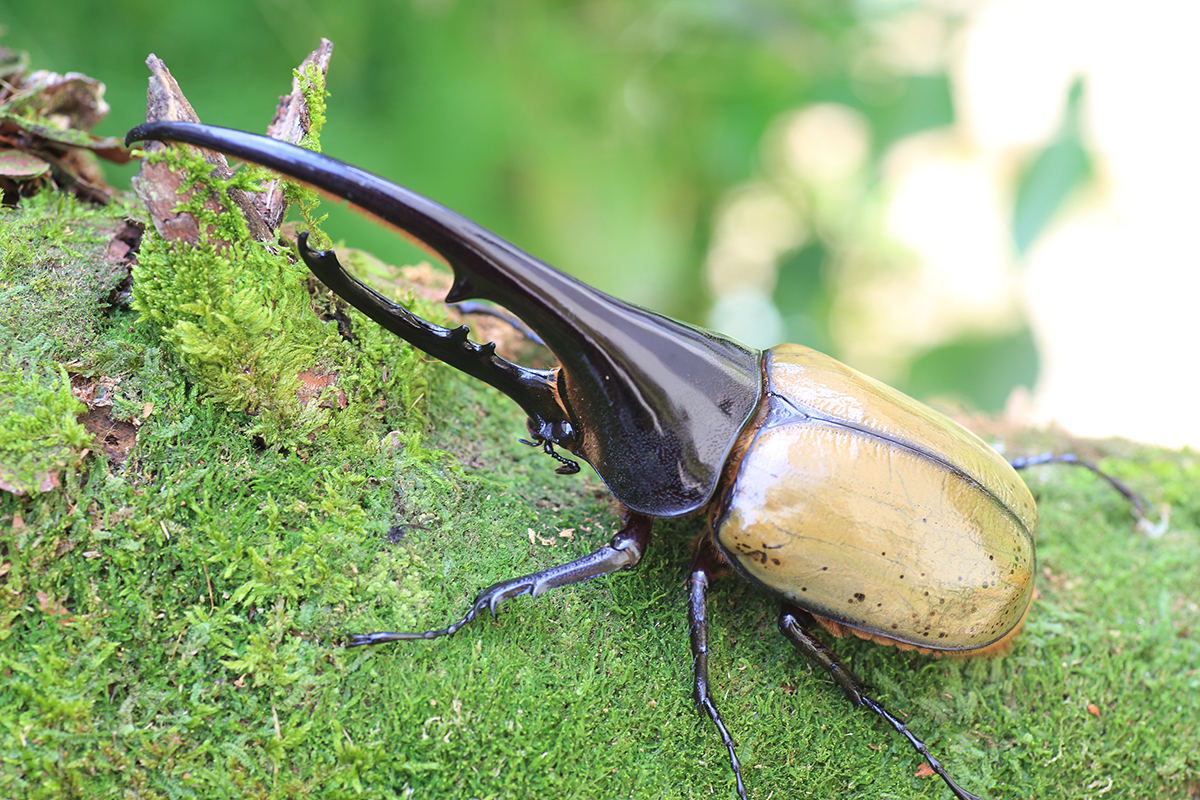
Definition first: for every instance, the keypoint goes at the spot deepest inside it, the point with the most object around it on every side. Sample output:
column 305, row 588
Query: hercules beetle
column 860, row 508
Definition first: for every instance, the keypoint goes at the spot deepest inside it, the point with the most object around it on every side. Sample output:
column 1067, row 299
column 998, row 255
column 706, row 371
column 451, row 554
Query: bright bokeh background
column 1112, row 286
column 961, row 198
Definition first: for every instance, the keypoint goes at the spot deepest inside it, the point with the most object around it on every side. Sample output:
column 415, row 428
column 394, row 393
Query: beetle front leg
column 624, row 551
column 797, row 625
column 698, row 626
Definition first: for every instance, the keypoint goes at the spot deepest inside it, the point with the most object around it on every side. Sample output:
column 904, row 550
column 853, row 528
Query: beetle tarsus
column 797, row 626
column 568, row 467
column 919, row 746
column 698, row 627
column 624, row 551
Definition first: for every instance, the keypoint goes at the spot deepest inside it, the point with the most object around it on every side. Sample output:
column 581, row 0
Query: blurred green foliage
column 599, row 136
column 1059, row 168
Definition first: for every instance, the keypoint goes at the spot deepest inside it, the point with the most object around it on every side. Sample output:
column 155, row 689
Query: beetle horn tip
column 461, row 290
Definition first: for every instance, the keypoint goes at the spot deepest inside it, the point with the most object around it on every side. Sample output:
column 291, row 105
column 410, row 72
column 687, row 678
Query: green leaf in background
column 1060, row 168
column 919, row 103
column 980, row 372
column 802, row 296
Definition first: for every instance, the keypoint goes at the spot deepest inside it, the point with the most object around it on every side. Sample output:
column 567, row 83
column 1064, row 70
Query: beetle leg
column 797, row 625
column 702, row 564
column 568, row 467
column 624, row 551
column 1139, row 504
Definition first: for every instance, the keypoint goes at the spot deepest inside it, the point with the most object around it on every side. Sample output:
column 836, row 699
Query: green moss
column 239, row 316
column 54, row 278
column 39, row 433
column 53, row 281
column 231, row 308
column 304, row 200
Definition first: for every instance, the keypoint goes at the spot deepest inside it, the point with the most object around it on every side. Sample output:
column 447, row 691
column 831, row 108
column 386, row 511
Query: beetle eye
column 563, row 433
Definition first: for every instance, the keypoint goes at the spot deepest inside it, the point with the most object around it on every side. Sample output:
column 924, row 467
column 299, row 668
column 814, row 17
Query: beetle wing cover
column 862, row 505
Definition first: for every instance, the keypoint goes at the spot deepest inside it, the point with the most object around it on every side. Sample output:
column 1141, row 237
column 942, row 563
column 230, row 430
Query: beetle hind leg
column 1140, row 507
column 797, row 625
column 698, row 626
column 624, row 551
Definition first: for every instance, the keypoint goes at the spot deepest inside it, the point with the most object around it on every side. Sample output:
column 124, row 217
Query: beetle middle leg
column 624, row 551
column 797, row 625
column 702, row 565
